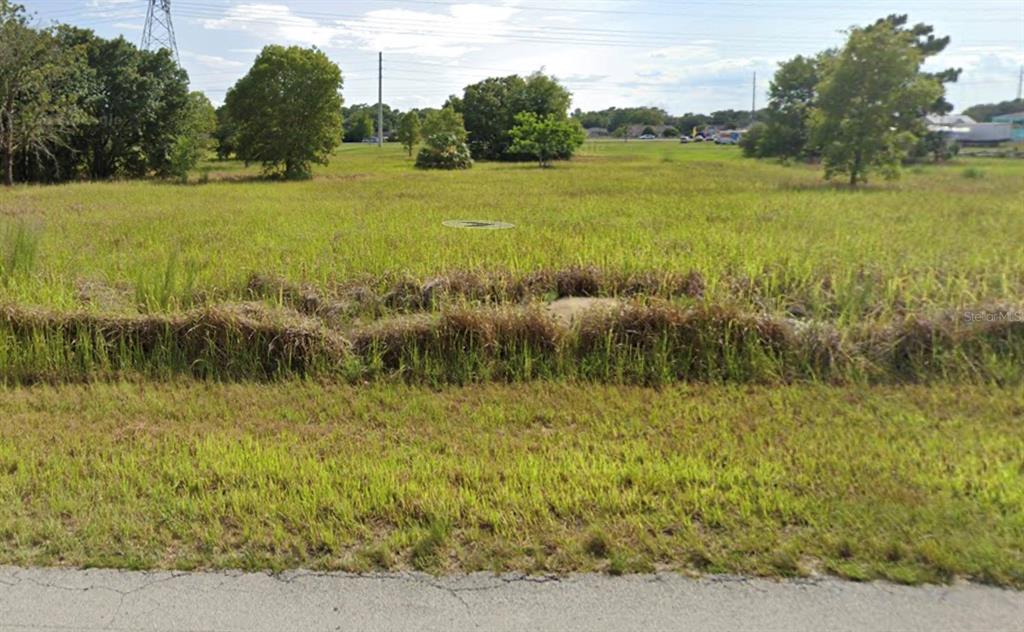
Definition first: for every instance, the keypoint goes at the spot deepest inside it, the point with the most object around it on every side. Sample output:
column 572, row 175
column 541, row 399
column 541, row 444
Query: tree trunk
column 9, row 163
column 8, row 152
column 855, row 169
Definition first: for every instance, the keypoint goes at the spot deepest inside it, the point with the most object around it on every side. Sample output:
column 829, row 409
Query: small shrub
column 973, row 173
column 444, row 151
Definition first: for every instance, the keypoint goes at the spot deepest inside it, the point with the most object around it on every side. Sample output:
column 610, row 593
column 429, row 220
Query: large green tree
column 138, row 102
column 490, row 107
column 922, row 37
column 870, row 100
column 985, row 111
column 546, row 137
column 287, row 110
column 39, row 109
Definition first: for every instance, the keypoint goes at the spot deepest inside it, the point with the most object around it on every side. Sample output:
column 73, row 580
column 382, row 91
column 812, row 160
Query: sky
column 681, row 55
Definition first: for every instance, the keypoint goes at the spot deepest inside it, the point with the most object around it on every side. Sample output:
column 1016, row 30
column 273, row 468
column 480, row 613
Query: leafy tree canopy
column 546, row 137
column 489, row 109
column 870, row 100
column 288, row 110
column 38, row 113
column 444, row 121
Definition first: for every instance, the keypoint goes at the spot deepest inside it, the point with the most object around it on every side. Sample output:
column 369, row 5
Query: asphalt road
column 53, row 599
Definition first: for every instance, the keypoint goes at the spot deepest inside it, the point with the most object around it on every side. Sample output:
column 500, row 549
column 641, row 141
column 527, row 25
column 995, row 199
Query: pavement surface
column 60, row 599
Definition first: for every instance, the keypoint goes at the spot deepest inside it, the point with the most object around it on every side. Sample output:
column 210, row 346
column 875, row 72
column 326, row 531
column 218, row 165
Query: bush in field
column 934, row 147
column 751, row 141
column 287, row 110
column 546, row 138
column 444, row 150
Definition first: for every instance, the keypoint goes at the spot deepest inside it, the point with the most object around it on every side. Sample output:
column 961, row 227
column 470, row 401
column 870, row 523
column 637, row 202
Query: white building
column 966, row 131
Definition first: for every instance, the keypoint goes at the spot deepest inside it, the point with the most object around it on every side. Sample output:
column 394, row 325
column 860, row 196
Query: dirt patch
column 568, row 310
column 103, row 296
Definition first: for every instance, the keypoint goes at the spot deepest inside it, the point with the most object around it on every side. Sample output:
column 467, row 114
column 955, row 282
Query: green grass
column 851, row 407
column 358, row 245
column 910, row 484
column 934, row 239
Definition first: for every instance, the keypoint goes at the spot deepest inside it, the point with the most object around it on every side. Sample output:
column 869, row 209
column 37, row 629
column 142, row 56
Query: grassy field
column 910, row 483
column 791, row 377
column 354, row 252
column 933, row 238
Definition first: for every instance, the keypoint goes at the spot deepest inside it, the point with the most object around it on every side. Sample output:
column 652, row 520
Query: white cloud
column 213, row 61
column 463, row 29
column 685, row 52
column 273, row 22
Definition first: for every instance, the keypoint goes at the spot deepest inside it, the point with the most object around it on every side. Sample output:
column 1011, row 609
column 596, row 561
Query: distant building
column 966, row 131
column 1016, row 121
column 950, row 119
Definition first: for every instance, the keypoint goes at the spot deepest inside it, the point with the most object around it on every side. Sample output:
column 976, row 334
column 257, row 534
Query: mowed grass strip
column 907, row 483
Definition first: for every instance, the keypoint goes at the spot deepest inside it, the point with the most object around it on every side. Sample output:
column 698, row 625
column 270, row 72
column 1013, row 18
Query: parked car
column 370, row 139
column 728, row 137
column 685, row 139
column 647, row 137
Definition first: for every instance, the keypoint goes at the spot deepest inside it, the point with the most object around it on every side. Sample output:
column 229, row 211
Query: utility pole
column 380, row 99
column 159, row 30
column 1020, row 84
column 753, row 98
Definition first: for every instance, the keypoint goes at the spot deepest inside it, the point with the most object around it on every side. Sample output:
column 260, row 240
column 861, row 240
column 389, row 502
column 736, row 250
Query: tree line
column 858, row 109
column 286, row 113
column 77, row 106
column 985, row 111
column 616, row 121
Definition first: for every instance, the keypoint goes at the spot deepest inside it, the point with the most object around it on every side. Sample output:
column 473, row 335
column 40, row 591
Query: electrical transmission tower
column 159, row 30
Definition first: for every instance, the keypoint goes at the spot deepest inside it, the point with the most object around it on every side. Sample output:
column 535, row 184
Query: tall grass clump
column 652, row 342
column 239, row 343
column 20, row 249
column 168, row 287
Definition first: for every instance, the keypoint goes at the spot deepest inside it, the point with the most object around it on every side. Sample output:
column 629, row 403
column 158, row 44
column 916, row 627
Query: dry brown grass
column 643, row 339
